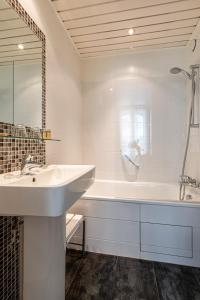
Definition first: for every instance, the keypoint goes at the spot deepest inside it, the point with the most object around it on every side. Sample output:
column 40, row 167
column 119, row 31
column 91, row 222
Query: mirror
column 21, row 67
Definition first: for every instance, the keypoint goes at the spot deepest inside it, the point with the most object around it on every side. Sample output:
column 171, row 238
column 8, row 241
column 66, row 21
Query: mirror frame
column 18, row 8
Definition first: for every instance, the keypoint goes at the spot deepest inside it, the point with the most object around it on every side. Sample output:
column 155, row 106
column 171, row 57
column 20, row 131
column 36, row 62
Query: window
column 135, row 130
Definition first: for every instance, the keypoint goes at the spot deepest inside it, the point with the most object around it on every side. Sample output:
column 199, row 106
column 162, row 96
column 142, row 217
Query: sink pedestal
column 44, row 258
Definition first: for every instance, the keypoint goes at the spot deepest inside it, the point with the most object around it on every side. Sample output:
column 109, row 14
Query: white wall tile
column 113, row 88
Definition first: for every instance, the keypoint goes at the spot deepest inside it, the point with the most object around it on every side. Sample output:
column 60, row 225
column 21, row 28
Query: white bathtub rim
column 139, row 183
column 188, row 203
column 114, row 198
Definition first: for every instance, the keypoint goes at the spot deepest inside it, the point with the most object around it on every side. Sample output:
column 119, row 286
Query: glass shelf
column 28, row 138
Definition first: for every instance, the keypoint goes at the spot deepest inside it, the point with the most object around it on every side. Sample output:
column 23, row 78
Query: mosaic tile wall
column 11, row 258
column 13, row 150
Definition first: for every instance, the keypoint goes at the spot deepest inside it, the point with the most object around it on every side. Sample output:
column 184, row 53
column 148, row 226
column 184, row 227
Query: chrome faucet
column 189, row 181
column 28, row 161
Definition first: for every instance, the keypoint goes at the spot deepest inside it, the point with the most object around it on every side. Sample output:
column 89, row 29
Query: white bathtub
column 140, row 191
column 142, row 220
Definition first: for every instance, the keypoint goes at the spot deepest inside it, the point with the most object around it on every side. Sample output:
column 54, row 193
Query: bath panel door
column 111, row 236
column 167, row 239
column 168, row 214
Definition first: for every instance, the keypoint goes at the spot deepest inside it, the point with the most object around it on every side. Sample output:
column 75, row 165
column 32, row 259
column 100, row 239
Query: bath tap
column 27, row 161
column 187, row 180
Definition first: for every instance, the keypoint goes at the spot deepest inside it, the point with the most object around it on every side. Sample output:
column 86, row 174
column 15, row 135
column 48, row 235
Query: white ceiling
column 100, row 27
column 13, row 31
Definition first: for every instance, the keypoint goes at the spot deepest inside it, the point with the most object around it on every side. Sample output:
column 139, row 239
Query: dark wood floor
column 105, row 277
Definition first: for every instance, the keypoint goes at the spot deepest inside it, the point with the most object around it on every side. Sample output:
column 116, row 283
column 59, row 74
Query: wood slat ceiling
column 13, row 31
column 100, row 27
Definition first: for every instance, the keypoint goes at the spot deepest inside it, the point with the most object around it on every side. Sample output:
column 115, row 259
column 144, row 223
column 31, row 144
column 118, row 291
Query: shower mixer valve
column 187, row 180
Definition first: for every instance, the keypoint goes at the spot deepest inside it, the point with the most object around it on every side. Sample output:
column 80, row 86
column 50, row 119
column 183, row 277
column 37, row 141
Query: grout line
column 74, row 274
column 195, row 275
column 156, row 281
column 116, row 262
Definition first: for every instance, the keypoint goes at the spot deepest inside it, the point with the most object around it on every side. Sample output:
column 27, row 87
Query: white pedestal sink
column 43, row 199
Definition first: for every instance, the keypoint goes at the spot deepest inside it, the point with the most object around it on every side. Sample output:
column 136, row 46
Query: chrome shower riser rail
column 191, row 124
column 194, row 77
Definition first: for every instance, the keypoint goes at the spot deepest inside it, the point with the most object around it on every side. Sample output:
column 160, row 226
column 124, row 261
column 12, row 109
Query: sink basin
column 49, row 192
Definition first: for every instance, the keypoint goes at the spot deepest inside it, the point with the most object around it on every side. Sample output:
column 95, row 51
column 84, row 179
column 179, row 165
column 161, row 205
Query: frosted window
column 135, row 130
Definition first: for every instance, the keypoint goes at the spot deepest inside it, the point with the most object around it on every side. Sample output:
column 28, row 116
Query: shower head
column 177, row 70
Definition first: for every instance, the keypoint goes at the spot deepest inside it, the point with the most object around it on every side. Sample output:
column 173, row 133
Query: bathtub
column 143, row 220
column 140, row 191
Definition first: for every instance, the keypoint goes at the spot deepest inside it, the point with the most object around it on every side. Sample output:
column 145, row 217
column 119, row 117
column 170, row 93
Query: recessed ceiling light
column 20, row 46
column 111, row 89
column 131, row 31
column 131, row 69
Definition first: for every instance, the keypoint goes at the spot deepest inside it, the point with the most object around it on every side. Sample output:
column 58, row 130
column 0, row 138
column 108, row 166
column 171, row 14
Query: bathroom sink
column 46, row 192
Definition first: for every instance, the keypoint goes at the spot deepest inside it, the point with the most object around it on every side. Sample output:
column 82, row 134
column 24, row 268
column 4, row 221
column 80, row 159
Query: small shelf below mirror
column 27, row 138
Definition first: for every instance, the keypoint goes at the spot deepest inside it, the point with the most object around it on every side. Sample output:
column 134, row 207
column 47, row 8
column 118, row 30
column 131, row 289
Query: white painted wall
column 115, row 87
column 64, row 102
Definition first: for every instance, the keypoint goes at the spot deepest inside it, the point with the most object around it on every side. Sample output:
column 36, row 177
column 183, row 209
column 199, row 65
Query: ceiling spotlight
column 20, row 46
column 131, row 31
column 131, row 69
